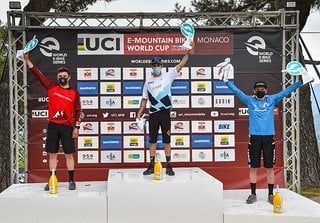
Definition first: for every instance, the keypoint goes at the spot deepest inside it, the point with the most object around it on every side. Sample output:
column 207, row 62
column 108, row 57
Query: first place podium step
column 191, row 195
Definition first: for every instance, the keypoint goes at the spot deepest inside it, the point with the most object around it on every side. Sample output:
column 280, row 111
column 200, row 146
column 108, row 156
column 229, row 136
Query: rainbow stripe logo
column 80, row 44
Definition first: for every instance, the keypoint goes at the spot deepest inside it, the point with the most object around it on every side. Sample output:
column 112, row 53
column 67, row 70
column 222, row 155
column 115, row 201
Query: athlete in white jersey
column 157, row 89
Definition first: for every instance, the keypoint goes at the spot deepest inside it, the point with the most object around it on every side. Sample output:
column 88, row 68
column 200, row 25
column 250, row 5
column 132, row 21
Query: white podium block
column 30, row 203
column 296, row 208
column 191, row 195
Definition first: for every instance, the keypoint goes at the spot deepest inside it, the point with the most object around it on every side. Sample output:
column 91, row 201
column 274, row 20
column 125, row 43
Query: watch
column 77, row 126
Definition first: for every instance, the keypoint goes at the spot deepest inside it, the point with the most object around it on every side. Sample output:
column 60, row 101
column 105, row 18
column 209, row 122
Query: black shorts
column 160, row 119
column 267, row 145
column 57, row 132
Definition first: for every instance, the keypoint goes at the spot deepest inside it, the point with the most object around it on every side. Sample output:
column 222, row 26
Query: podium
column 190, row 196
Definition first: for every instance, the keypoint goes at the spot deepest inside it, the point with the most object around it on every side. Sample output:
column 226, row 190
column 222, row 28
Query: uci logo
column 100, row 44
column 49, row 45
column 254, row 44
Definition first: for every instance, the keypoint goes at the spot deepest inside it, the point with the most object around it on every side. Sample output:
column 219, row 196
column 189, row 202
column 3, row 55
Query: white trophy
column 187, row 31
column 29, row 46
column 296, row 68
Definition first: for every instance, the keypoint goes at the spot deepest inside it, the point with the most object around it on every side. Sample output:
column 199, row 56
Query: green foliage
column 3, row 49
column 310, row 192
column 234, row 5
column 72, row 6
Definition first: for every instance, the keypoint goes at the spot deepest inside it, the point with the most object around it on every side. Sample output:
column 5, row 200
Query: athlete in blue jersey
column 157, row 89
column 261, row 131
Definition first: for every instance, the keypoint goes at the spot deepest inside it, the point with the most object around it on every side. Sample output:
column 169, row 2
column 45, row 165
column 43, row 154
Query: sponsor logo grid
column 111, row 95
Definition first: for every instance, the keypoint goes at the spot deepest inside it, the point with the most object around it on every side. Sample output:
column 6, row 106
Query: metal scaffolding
column 19, row 22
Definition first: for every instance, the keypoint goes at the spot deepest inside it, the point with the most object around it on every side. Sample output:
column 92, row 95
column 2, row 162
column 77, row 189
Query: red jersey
column 64, row 103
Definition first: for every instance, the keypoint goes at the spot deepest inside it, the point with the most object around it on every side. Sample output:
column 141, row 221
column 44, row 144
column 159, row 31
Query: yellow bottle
column 158, row 168
column 277, row 202
column 53, row 183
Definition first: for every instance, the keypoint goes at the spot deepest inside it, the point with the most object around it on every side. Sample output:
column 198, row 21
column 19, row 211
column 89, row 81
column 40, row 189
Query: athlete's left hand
column 75, row 133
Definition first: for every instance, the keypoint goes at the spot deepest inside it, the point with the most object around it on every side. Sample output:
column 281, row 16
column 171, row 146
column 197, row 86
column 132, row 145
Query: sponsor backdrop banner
column 209, row 124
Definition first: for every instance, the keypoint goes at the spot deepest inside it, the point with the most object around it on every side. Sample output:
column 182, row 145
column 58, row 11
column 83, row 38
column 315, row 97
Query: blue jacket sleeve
column 279, row 96
column 242, row 96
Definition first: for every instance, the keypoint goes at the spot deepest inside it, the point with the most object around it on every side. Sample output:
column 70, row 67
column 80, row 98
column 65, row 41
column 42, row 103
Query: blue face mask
column 156, row 71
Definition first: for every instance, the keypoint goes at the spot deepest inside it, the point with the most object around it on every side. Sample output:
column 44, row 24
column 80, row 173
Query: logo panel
column 224, row 140
column 110, row 156
column 222, row 126
column 133, row 142
column 202, row 155
column 88, row 156
column 87, row 74
column 133, row 156
column 224, row 155
column 201, row 126
column 88, row 88
column 110, row 127
column 201, row 141
column 110, row 73
column 88, row 142
column 100, row 44
column 89, row 102
column 111, row 102
column 111, row 142
column 223, row 101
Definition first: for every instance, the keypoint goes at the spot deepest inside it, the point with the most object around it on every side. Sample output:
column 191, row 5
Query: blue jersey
column 261, row 111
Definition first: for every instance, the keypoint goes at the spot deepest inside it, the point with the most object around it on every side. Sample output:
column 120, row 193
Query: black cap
column 260, row 84
column 156, row 60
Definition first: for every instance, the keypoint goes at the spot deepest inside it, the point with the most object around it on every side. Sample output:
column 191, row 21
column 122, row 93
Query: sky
column 310, row 33
column 115, row 6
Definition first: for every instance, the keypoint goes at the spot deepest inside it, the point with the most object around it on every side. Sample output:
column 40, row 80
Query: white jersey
column 158, row 91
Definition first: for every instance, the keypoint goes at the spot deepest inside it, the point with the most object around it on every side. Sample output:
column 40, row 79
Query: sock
column 152, row 159
column 168, row 159
column 253, row 188
column 270, row 187
column 71, row 174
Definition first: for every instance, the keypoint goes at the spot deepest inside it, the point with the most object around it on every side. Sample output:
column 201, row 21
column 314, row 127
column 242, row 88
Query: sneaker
column 251, row 199
column 150, row 170
column 169, row 170
column 270, row 198
column 72, row 185
column 46, row 188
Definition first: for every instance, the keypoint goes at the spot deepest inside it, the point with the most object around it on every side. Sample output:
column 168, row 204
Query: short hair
column 64, row 69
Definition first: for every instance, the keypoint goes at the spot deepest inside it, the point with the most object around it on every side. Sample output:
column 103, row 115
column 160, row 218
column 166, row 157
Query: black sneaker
column 169, row 170
column 270, row 198
column 46, row 188
column 72, row 185
column 150, row 170
column 251, row 199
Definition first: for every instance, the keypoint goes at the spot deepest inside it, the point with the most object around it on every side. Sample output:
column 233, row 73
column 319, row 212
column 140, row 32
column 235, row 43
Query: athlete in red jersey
column 64, row 117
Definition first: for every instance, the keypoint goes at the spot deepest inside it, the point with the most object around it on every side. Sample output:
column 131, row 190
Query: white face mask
column 156, row 71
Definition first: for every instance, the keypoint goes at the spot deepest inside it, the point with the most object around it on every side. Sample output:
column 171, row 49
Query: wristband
column 77, row 126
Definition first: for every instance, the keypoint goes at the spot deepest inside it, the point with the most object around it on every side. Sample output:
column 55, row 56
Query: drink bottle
column 53, row 183
column 277, row 202
column 158, row 168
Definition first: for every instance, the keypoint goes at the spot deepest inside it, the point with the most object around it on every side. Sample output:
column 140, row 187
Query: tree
column 59, row 5
column 309, row 153
column 32, row 6
column 4, row 101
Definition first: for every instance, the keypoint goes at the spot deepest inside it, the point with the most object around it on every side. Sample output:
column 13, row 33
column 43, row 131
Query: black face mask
column 63, row 81
column 260, row 94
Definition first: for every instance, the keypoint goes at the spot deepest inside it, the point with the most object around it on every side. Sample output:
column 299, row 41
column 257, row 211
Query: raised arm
column 242, row 96
column 185, row 58
column 44, row 80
